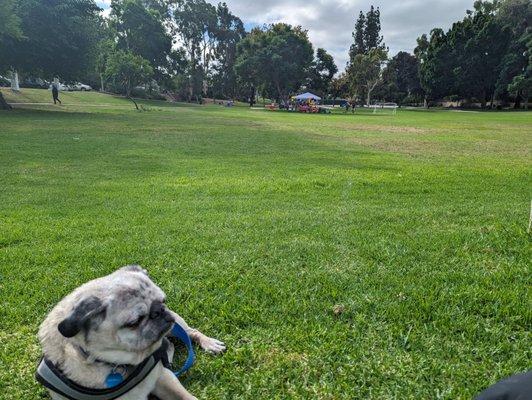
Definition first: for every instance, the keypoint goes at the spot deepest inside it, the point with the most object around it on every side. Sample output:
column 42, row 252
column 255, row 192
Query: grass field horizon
column 338, row 256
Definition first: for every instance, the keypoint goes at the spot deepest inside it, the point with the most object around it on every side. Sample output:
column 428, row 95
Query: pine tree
column 367, row 34
column 359, row 46
column 372, row 31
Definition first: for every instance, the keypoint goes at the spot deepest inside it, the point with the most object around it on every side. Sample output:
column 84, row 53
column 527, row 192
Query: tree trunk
column 526, row 101
column 425, row 102
column 483, row 100
column 279, row 93
column 14, row 82
column 102, row 88
column 252, row 97
column 3, row 103
column 128, row 95
column 368, row 98
column 134, row 102
column 518, row 99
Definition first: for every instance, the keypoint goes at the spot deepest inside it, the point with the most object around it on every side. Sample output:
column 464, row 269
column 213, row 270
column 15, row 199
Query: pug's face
column 121, row 318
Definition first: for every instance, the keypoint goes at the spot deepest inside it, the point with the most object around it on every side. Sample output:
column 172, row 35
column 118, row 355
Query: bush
column 412, row 100
column 139, row 92
column 157, row 96
column 142, row 93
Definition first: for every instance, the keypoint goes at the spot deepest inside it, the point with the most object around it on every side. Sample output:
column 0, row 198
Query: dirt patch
column 429, row 148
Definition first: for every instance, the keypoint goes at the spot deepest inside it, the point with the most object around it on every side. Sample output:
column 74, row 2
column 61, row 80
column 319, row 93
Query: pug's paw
column 212, row 346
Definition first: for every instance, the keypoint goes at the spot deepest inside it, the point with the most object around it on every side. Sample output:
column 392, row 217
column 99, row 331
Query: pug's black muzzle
column 161, row 318
column 159, row 311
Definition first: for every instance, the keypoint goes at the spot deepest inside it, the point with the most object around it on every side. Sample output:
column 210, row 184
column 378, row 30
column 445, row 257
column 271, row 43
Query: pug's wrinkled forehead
column 133, row 290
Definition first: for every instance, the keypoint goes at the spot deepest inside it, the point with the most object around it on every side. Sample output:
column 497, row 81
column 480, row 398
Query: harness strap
column 52, row 378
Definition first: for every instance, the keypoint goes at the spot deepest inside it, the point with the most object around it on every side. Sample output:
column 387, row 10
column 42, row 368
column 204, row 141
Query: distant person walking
column 353, row 106
column 55, row 92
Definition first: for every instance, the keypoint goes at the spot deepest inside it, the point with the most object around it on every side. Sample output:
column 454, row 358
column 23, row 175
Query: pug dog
column 118, row 320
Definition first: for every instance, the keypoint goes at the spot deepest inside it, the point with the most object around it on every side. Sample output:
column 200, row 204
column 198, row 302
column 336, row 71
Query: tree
column 516, row 16
column 366, row 72
column 106, row 46
column 322, row 72
column 367, row 56
column 477, row 44
column 9, row 21
column 359, row 45
column 141, row 30
column 367, row 34
column 372, row 31
column 436, row 65
column 479, row 57
column 104, row 51
column 277, row 58
column 129, row 70
column 9, row 30
column 248, row 64
column 196, row 24
column 229, row 32
column 163, row 7
column 401, row 77
column 340, row 86
column 521, row 84
column 58, row 38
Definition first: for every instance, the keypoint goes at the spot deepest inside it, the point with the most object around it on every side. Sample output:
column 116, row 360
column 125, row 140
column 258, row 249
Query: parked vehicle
column 34, row 83
column 62, row 87
column 81, row 87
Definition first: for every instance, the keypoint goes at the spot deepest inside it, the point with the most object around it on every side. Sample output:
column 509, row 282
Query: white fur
column 64, row 351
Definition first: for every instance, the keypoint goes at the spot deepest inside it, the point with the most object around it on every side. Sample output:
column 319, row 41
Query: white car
column 62, row 87
column 81, row 86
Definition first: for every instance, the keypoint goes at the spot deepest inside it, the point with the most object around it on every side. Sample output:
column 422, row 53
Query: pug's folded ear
column 86, row 311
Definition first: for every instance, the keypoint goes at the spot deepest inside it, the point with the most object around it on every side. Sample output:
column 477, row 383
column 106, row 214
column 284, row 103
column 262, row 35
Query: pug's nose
column 157, row 310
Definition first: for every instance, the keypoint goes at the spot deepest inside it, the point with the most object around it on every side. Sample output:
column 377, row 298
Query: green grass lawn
column 260, row 225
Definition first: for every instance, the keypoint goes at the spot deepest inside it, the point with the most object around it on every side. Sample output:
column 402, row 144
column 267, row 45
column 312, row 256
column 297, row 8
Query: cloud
column 331, row 22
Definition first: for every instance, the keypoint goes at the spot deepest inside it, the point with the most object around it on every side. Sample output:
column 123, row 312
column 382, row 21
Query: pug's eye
column 134, row 324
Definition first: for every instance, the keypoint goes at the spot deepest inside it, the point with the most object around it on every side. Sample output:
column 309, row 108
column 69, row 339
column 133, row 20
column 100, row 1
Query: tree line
column 192, row 49
column 483, row 58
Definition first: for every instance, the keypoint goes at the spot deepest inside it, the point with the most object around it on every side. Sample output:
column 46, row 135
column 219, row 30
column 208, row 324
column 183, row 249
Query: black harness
column 50, row 376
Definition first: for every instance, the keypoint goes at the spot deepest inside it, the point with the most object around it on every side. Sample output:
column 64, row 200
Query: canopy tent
column 307, row 96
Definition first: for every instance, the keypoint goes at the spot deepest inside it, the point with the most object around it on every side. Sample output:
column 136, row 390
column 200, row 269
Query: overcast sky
column 331, row 22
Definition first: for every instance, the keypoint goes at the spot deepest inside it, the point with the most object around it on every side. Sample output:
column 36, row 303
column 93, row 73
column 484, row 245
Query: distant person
column 55, row 93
